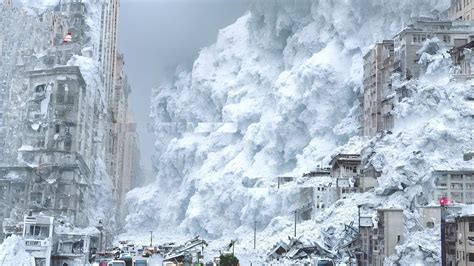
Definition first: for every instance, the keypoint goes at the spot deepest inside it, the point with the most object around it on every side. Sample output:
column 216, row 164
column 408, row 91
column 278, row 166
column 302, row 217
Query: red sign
column 444, row 201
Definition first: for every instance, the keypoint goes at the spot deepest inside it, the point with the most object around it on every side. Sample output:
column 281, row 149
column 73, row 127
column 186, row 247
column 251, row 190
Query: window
column 471, row 257
column 57, row 129
column 3, row 189
column 70, row 98
column 471, row 227
column 60, row 93
column 40, row 88
column 37, row 231
column 430, row 224
column 399, row 237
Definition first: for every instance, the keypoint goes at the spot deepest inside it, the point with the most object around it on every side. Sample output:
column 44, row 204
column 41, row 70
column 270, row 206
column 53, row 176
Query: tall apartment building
column 53, row 120
column 382, row 61
column 365, row 243
column 131, row 161
column 461, row 10
column 377, row 72
column 107, row 56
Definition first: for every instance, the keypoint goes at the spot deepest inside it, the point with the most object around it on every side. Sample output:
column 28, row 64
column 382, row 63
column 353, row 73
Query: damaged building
column 400, row 58
column 56, row 121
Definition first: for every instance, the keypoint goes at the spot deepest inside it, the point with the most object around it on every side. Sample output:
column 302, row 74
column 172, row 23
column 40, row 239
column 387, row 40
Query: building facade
column 401, row 56
column 457, row 186
column 365, row 243
column 377, row 72
column 388, row 234
column 465, row 240
column 62, row 123
column 461, row 10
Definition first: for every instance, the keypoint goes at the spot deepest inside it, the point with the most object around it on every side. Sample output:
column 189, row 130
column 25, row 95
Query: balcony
column 37, row 244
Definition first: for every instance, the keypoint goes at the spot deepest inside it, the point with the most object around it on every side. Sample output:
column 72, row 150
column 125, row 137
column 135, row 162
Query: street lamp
column 151, row 239
column 100, row 227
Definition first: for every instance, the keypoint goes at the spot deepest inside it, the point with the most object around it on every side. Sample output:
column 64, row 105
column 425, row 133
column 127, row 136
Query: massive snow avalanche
column 277, row 94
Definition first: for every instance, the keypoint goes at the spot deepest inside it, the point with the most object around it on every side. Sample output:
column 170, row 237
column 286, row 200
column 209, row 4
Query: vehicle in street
column 116, row 263
column 324, row 262
column 140, row 262
column 147, row 253
column 127, row 258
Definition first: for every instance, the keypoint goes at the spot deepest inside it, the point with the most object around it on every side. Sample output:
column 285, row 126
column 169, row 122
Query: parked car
column 147, row 253
column 116, row 263
column 140, row 262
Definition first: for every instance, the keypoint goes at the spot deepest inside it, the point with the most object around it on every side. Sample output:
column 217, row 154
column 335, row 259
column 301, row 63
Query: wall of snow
column 287, row 75
column 13, row 252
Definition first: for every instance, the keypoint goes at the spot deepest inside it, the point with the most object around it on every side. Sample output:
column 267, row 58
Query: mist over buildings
column 158, row 36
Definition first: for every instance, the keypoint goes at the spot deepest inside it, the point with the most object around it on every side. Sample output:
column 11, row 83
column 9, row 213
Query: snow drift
column 13, row 252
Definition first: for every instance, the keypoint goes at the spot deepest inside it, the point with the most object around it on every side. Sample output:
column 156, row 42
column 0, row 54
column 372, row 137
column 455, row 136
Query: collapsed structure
column 386, row 66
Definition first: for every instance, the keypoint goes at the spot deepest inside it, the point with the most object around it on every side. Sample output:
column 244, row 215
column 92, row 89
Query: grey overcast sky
column 158, row 35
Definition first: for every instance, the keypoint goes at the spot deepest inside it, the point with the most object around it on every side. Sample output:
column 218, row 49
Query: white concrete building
column 38, row 235
column 388, row 234
column 457, row 186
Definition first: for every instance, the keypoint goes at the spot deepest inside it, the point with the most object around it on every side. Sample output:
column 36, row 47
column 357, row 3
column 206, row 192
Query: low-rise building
column 316, row 193
column 73, row 248
column 388, row 234
column 450, row 236
column 346, row 170
column 346, row 166
column 38, row 235
column 462, row 56
column 465, row 240
column 365, row 243
column 430, row 216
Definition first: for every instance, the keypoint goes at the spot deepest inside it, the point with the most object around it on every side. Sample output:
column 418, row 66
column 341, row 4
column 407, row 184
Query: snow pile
column 39, row 5
column 100, row 201
column 287, row 75
column 13, row 252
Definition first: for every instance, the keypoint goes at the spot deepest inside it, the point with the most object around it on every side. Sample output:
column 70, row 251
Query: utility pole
column 151, row 238
column 296, row 216
column 358, row 213
column 443, row 202
column 202, row 251
column 255, row 235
